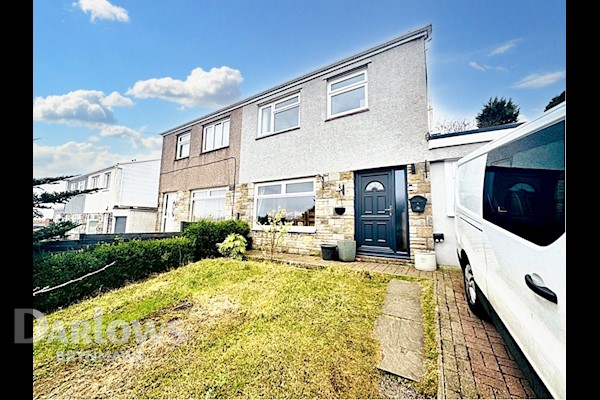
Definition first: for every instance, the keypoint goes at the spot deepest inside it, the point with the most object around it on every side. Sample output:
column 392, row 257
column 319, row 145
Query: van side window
column 524, row 186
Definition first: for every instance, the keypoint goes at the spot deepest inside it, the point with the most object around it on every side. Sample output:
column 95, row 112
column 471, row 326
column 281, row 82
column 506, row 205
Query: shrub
column 205, row 235
column 233, row 246
column 134, row 260
column 275, row 229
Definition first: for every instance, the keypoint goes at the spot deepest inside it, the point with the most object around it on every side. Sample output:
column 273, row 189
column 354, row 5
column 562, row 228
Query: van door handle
column 540, row 290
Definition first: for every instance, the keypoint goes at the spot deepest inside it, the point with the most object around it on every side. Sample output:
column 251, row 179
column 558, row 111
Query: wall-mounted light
column 413, row 169
column 341, row 189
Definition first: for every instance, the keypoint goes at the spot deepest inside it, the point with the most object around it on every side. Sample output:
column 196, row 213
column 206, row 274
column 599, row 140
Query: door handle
column 541, row 290
column 390, row 210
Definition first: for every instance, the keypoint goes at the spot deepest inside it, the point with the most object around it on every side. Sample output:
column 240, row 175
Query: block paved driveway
column 474, row 361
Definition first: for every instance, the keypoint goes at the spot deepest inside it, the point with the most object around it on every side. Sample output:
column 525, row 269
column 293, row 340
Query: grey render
column 392, row 132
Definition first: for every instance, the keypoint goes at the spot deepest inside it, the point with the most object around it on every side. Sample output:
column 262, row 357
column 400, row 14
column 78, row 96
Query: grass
column 235, row 329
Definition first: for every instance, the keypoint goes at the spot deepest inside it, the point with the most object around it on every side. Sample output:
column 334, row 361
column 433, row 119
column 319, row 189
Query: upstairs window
column 216, row 136
column 81, row 185
column 280, row 115
column 183, row 145
column 347, row 94
column 107, row 180
column 95, row 180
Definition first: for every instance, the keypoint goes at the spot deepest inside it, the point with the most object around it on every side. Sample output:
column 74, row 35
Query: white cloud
column 102, row 9
column 137, row 141
column 116, row 100
column 79, row 107
column 73, row 158
column 485, row 67
column 504, row 47
column 215, row 88
column 536, row 81
column 475, row 65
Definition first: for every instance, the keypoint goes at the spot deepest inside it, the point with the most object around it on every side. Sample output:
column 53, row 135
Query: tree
column 556, row 100
column 497, row 112
column 454, row 125
column 42, row 199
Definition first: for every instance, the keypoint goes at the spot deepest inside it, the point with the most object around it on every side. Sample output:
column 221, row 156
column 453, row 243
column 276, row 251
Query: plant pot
column 346, row 250
column 328, row 251
column 425, row 261
column 340, row 210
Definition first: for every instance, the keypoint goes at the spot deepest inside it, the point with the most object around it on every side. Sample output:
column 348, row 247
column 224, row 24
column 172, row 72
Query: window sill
column 291, row 229
column 182, row 158
column 213, row 150
column 277, row 133
column 362, row 110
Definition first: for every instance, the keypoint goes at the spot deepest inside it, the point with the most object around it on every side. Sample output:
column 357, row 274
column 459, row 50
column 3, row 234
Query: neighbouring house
column 342, row 149
column 199, row 170
column 444, row 150
column 125, row 202
column 52, row 212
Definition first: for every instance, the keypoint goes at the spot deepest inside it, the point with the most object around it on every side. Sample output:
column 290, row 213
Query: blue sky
column 110, row 76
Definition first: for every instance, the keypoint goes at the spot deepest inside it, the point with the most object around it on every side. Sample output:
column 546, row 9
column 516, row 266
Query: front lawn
column 223, row 328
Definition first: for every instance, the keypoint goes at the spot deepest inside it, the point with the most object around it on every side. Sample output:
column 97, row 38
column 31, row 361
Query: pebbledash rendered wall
column 216, row 168
column 390, row 133
column 330, row 227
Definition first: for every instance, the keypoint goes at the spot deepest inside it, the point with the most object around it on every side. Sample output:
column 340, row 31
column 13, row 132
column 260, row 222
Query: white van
column 510, row 230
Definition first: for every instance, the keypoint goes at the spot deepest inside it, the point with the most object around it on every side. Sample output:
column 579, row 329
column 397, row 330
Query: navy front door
column 381, row 212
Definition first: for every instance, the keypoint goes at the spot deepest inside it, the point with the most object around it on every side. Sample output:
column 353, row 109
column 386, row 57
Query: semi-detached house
column 342, row 149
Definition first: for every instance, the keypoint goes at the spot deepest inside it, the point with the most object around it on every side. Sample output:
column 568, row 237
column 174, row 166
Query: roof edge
column 472, row 131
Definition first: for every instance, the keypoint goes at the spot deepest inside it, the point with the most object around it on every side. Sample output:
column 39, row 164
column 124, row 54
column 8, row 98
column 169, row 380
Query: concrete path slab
column 400, row 330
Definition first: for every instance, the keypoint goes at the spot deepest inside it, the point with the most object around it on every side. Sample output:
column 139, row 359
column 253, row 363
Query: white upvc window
column 279, row 116
column 95, row 181
column 81, row 185
column 296, row 197
column 183, row 145
column 107, row 180
column 92, row 224
column 216, row 136
column 347, row 94
column 208, row 204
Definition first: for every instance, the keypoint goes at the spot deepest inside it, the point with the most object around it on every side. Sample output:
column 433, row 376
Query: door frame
column 401, row 214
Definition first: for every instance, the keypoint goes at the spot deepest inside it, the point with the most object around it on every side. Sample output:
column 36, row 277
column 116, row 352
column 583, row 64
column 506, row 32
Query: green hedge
column 206, row 234
column 135, row 260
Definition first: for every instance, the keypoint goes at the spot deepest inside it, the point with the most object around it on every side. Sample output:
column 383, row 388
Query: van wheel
column 472, row 292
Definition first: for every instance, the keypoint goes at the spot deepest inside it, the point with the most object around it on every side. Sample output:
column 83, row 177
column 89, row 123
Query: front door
column 169, row 223
column 381, row 212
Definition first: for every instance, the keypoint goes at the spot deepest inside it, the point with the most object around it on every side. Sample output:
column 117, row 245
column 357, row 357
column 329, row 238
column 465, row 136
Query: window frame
column 95, row 181
column 180, row 143
column 213, row 126
column 107, row 178
column 272, row 104
column 209, row 190
column 332, row 93
column 282, row 194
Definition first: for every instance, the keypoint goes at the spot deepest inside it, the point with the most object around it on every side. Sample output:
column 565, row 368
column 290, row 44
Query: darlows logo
column 117, row 331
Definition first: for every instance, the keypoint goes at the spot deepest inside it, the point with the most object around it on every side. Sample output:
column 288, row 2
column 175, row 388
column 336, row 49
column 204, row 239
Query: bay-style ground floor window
column 296, row 197
column 208, row 204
